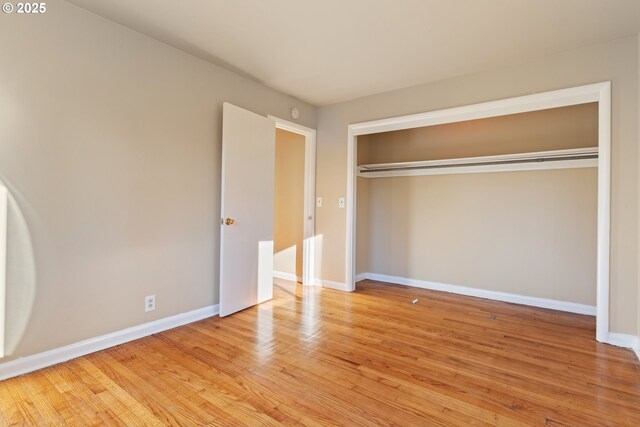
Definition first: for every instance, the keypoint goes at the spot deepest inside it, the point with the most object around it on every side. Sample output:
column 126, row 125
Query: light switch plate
column 341, row 202
column 319, row 202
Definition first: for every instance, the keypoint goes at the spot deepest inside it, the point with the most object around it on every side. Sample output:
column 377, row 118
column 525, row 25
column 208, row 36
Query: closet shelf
column 557, row 159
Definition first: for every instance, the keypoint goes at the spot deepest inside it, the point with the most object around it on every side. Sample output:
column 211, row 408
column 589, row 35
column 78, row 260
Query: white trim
column 68, row 352
column 331, row 285
column 604, row 211
column 521, row 104
column 4, row 198
column 308, row 246
column 625, row 340
column 362, row 276
column 352, row 159
column 597, row 92
column 286, row 276
column 570, row 307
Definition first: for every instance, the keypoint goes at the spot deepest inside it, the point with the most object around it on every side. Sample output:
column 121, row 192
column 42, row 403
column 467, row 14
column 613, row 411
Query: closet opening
column 506, row 200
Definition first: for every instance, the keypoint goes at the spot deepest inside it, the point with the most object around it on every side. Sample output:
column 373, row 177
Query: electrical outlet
column 319, row 202
column 341, row 202
column 150, row 303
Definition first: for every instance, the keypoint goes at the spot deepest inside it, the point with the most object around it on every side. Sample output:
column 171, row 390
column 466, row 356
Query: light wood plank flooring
column 321, row 357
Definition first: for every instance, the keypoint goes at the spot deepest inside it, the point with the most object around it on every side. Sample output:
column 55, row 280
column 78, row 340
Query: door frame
column 597, row 92
column 308, row 245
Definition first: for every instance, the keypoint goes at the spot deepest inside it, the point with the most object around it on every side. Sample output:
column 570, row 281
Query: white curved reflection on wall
column 21, row 275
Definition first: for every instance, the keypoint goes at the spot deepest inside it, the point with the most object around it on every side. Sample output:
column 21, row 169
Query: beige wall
column 616, row 61
column 530, row 233
column 110, row 143
column 288, row 229
column 552, row 129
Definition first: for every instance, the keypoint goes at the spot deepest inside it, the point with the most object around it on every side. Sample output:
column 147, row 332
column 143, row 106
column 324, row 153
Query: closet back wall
column 529, row 233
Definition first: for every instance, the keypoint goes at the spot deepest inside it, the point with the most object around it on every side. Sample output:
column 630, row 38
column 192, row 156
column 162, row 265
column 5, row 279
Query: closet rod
column 365, row 169
column 502, row 159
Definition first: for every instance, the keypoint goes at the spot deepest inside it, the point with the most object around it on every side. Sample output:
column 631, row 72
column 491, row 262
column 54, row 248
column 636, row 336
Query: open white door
column 246, row 235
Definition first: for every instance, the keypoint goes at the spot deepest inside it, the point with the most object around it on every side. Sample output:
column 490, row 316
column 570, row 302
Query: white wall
column 110, row 144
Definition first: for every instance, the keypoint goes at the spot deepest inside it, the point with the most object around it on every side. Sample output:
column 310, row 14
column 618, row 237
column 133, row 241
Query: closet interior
column 503, row 204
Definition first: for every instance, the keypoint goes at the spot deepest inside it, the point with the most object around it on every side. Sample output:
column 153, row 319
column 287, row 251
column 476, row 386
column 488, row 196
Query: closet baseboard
column 570, row 307
column 286, row 276
column 331, row 285
column 625, row 340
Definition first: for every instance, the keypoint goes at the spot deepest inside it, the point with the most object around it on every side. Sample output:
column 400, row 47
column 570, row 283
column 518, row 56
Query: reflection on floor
column 318, row 357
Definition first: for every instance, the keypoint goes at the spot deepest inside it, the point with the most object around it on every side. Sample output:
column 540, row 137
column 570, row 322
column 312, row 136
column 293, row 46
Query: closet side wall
column 529, row 233
column 362, row 208
column 288, row 227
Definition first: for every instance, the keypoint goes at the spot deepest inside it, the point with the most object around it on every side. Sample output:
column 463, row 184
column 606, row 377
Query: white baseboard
column 68, row 352
column 571, row 307
column 625, row 340
column 286, row 276
column 362, row 276
column 331, row 285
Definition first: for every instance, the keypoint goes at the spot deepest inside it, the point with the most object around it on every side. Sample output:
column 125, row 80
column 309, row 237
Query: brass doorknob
column 229, row 221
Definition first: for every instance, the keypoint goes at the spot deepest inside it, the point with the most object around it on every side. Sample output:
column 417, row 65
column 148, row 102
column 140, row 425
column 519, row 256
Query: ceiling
column 327, row 51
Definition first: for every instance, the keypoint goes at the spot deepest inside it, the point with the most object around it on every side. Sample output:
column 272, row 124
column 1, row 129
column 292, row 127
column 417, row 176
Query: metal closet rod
column 488, row 163
column 503, row 159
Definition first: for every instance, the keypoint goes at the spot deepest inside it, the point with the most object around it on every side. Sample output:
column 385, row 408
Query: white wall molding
column 570, row 307
column 332, row 285
column 286, row 276
column 62, row 354
column 597, row 92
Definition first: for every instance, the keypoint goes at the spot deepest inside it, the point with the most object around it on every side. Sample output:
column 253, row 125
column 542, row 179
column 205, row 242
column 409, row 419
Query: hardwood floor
column 320, row 357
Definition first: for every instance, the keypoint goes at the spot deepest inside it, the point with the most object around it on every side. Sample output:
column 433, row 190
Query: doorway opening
column 294, row 207
column 288, row 224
